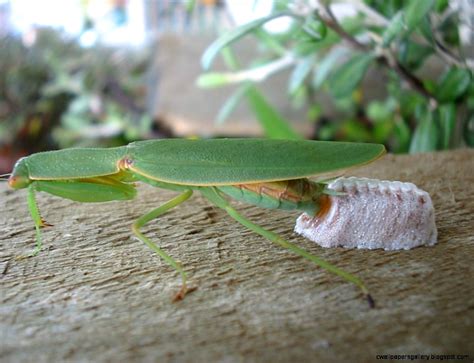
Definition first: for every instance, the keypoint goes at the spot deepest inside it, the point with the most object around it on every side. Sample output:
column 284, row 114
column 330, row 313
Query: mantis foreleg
column 214, row 196
column 38, row 221
column 140, row 222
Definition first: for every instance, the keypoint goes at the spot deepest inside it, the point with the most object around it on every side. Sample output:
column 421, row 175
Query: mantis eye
column 18, row 181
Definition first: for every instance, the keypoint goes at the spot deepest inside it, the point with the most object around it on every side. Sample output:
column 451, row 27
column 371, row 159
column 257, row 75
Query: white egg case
column 371, row 214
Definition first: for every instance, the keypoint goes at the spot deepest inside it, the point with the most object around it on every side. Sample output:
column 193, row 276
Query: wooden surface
column 95, row 293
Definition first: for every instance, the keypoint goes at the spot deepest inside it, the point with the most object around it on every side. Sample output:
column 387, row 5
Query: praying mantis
column 265, row 172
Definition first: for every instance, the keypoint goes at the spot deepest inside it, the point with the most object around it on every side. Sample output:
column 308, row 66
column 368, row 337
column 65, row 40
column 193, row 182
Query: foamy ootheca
column 370, row 213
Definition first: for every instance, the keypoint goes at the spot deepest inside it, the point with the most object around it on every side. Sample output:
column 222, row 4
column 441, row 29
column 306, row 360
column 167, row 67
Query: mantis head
column 19, row 177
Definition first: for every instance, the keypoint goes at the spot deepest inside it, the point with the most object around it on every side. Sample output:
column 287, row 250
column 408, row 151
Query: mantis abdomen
column 300, row 194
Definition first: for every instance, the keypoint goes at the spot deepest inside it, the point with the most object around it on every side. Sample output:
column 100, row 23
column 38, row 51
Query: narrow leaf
column 447, row 121
column 271, row 42
column 230, row 104
column 215, row 79
column 426, row 135
column 441, row 5
column 273, row 124
column 415, row 10
column 315, row 28
column 234, row 34
column 469, row 131
column 346, row 78
column 413, row 55
column 394, row 28
column 425, row 28
column 256, row 74
column 325, row 67
column 453, row 84
column 299, row 74
column 402, row 136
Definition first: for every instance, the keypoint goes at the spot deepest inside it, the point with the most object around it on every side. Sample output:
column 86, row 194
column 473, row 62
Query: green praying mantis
column 266, row 173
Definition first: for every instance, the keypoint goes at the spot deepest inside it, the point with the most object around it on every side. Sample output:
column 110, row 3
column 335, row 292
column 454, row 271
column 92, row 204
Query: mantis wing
column 235, row 161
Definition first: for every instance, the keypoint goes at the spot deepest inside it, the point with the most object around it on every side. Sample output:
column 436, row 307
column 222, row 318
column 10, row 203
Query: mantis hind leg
column 140, row 222
column 214, row 196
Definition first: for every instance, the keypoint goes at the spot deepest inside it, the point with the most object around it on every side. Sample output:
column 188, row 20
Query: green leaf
column 273, row 124
column 469, row 131
column 412, row 55
column 304, row 45
column 229, row 58
column 415, row 10
column 215, row 79
column 402, row 136
column 354, row 131
column 256, row 74
column 393, row 29
column 426, row 30
column 315, row 28
column 230, row 104
column 305, row 48
column 470, row 97
column 234, row 34
column 354, row 25
column 314, row 113
column 441, row 5
column 378, row 111
column 453, row 84
column 426, row 135
column 381, row 131
column 447, row 122
column 347, row 77
column 325, row 67
column 271, row 42
column 300, row 98
column 299, row 74
column 449, row 30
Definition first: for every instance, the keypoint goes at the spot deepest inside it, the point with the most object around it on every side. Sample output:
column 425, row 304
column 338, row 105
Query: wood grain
column 95, row 293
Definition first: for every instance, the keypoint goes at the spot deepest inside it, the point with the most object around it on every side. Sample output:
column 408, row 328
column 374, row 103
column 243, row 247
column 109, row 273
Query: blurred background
column 108, row 72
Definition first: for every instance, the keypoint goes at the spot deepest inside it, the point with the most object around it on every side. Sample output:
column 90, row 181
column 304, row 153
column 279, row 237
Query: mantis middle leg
column 140, row 222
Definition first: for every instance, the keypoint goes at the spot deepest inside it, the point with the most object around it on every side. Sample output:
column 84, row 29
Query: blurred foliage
column 55, row 94
column 394, row 40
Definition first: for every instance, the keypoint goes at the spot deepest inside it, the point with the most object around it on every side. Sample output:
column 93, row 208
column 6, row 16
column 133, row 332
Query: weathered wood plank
column 96, row 294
